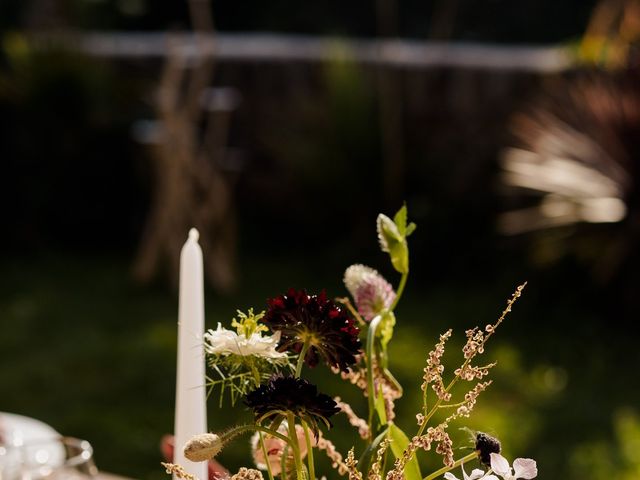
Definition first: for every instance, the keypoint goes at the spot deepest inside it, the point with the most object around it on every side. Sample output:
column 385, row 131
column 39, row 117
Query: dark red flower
column 301, row 318
column 284, row 394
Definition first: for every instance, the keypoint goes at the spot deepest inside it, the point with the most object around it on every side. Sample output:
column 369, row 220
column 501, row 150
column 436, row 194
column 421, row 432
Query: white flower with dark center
column 227, row 342
column 370, row 291
column 525, row 468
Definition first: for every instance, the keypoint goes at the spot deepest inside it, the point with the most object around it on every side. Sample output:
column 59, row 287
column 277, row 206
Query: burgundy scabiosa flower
column 330, row 332
column 288, row 394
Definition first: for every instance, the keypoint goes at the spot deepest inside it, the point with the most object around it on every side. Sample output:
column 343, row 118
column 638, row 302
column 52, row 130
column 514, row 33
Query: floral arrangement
column 262, row 363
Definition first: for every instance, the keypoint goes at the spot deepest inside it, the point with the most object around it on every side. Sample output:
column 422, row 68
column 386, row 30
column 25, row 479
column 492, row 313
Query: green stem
column 240, row 429
column 303, row 353
column 310, row 461
column 266, row 455
column 403, row 282
column 283, row 463
column 291, row 426
column 371, row 336
column 457, row 463
column 255, row 372
column 347, row 303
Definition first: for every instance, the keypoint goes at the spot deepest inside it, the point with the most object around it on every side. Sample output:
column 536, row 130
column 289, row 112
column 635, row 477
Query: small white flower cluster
column 227, row 342
column 524, row 468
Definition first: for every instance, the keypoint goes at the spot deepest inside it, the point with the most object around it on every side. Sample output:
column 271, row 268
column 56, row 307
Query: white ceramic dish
column 26, row 443
column 17, row 430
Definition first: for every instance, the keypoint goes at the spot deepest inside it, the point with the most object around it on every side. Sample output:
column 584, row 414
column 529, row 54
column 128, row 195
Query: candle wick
column 194, row 235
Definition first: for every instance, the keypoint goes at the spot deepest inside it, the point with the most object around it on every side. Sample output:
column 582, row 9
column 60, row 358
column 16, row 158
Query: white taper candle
column 191, row 412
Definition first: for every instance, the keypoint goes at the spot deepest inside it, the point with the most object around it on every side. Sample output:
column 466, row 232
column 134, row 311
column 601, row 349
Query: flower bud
column 203, row 447
column 394, row 242
column 370, row 291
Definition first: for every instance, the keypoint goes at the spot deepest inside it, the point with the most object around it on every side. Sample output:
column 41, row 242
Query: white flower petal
column 525, row 468
column 490, row 477
column 386, row 227
column 500, row 465
column 475, row 474
column 227, row 342
column 450, row 476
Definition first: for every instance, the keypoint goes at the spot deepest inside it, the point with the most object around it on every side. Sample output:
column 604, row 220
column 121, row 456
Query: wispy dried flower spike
column 352, row 463
column 247, row 474
column 178, row 471
column 434, row 369
column 354, row 420
column 332, row 453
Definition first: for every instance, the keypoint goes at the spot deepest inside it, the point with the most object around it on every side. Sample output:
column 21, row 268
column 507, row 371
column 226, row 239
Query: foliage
column 309, row 327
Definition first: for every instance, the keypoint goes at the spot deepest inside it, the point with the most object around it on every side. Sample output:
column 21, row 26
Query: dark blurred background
column 509, row 128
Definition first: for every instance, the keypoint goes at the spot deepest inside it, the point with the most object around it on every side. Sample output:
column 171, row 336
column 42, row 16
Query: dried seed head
column 247, row 474
column 359, row 423
column 434, row 369
column 334, row 456
column 351, row 464
column 178, row 471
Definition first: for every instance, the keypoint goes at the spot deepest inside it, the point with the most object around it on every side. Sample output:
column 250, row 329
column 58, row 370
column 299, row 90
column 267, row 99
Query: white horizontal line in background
column 268, row 47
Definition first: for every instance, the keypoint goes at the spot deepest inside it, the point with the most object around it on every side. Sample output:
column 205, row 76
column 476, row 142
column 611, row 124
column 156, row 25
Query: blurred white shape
column 576, row 159
column 15, row 430
column 572, row 190
column 16, row 434
column 603, row 210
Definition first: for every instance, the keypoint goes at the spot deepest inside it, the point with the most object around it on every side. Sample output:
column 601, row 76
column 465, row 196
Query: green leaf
column 391, row 379
column 399, row 253
column 410, row 229
column 400, row 219
column 399, row 442
column 380, row 408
